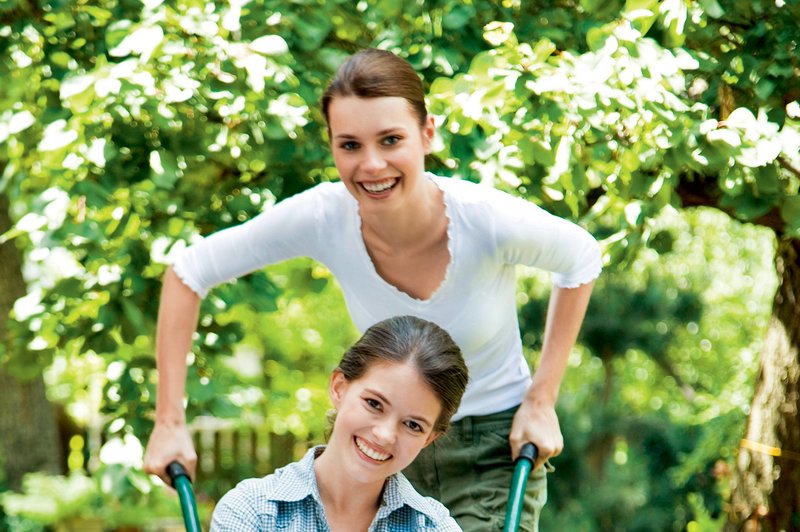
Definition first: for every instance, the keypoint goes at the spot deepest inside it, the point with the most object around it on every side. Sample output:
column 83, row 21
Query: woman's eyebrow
column 422, row 421
column 379, row 394
column 381, row 133
column 396, row 129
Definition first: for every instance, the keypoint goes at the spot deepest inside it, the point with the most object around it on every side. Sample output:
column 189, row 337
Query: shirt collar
column 397, row 492
column 302, row 481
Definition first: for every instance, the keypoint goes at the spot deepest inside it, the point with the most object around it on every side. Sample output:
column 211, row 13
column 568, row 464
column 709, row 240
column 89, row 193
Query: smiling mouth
column 376, row 187
column 371, row 453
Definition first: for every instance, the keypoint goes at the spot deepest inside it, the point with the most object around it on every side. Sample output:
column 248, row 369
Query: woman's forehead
column 402, row 384
column 365, row 114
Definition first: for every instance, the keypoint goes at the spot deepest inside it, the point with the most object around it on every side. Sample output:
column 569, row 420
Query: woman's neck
column 349, row 504
column 410, row 224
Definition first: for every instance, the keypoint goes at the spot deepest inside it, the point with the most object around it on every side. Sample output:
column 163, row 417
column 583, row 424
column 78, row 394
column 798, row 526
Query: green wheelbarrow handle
column 183, row 485
column 516, row 496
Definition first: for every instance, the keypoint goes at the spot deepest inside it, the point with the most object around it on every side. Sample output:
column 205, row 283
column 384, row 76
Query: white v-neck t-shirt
column 489, row 233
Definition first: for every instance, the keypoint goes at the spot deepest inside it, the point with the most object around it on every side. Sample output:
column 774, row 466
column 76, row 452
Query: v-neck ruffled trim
column 450, row 249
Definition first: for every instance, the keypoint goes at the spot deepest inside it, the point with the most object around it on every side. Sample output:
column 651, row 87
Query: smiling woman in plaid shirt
column 394, row 391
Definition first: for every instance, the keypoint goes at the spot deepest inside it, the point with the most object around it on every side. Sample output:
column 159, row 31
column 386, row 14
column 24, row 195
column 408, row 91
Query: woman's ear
column 336, row 387
column 431, row 438
column 428, row 132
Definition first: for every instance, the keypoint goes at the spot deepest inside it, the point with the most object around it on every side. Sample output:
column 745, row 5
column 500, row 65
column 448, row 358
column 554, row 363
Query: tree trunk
column 766, row 486
column 28, row 430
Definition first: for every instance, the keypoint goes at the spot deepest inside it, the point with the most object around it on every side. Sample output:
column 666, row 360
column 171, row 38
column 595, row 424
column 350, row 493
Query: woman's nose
column 373, row 161
column 385, row 433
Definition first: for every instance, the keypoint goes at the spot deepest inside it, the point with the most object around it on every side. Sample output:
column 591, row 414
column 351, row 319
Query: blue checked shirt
column 288, row 500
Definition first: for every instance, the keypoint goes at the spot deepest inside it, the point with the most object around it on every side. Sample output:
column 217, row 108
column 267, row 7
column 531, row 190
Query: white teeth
column 379, row 186
column 371, row 453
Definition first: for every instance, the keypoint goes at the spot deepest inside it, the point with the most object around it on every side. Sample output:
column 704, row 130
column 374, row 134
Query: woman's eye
column 373, row 403
column 349, row 146
column 391, row 140
column 413, row 425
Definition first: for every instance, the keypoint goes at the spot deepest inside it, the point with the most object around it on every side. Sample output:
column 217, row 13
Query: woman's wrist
column 541, row 395
column 170, row 416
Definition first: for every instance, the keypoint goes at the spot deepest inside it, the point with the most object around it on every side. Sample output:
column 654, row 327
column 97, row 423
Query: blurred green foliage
column 112, row 497
column 128, row 129
column 657, row 396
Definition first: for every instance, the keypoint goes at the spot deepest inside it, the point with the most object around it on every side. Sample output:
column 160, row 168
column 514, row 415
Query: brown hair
column 406, row 339
column 374, row 73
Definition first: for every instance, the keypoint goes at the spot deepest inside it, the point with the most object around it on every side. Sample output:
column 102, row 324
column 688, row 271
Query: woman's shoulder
column 469, row 192
column 326, row 190
column 456, row 185
column 273, row 485
column 330, row 188
column 320, row 205
column 252, row 489
column 434, row 515
column 247, row 505
column 479, row 200
column 259, row 498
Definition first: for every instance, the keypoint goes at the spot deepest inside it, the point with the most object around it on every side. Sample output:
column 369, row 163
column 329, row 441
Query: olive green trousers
column 469, row 470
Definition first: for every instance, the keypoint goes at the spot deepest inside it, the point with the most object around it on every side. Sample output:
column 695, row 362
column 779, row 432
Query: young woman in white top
column 403, row 241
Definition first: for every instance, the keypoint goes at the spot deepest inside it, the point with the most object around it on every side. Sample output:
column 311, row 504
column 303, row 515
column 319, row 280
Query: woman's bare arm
column 177, row 321
column 536, row 420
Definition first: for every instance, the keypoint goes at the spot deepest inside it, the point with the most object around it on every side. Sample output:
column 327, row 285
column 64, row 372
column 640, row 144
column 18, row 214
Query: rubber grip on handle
column 529, row 451
column 175, row 470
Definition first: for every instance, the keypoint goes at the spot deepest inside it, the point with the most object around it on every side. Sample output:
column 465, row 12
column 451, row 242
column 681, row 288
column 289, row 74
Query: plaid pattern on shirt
column 288, row 500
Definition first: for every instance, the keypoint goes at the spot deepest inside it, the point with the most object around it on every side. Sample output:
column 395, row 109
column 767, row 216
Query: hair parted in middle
column 374, row 73
column 425, row 345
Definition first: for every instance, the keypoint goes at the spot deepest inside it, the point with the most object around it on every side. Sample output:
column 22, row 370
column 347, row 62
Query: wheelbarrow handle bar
column 516, row 495
column 183, row 485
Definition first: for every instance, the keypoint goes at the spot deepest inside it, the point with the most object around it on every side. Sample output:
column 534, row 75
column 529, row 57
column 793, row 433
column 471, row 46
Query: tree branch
column 22, row 11
column 697, row 191
column 787, row 165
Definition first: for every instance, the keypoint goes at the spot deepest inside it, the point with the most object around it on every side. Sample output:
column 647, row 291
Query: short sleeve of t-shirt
column 527, row 234
column 285, row 230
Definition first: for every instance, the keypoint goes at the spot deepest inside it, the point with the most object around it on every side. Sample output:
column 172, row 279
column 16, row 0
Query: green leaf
column 60, row 58
column 765, row 88
column 596, row 37
column 675, row 17
column 135, row 316
column 543, row 49
column 164, row 169
column 592, row 6
column 629, row 160
column 544, row 153
column 81, row 102
column 100, row 14
column 312, row 28
column 389, row 8
column 61, row 20
column 117, row 32
column 641, row 14
column 747, row 205
column 790, row 212
column 712, row 8
column 458, row 17
column 768, row 181
column 223, row 408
